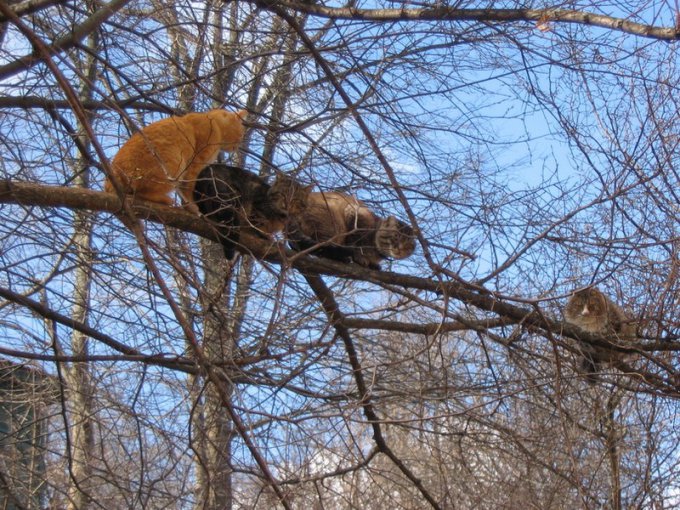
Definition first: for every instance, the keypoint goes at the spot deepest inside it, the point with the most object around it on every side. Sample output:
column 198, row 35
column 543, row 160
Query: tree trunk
column 78, row 375
column 611, row 445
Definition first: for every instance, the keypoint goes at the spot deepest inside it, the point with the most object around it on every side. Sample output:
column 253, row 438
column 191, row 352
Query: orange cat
column 170, row 153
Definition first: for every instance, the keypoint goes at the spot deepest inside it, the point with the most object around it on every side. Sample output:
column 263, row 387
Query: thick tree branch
column 446, row 13
column 78, row 198
column 423, row 329
column 26, row 102
column 29, row 194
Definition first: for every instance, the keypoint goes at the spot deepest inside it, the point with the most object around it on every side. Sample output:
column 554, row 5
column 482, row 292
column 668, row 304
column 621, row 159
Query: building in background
column 25, row 394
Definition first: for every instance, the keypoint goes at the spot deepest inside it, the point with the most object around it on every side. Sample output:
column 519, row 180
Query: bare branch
column 68, row 41
column 446, row 13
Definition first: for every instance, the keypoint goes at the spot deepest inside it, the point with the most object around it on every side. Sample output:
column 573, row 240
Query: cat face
column 395, row 239
column 587, row 309
column 287, row 196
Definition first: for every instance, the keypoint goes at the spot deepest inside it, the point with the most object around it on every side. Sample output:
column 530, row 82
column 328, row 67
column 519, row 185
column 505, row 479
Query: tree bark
column 78, row 375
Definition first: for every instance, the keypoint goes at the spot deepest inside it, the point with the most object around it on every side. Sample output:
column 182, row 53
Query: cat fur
column 234, row 198
column 340, row 227
column 169, row 154
column 594, row 312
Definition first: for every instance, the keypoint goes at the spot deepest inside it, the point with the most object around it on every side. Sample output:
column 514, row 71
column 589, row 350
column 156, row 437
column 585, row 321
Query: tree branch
column 77, row 34
column 29, row 194
column 31, row 6
column 446, row 13
column 26, row 102
column 423, row 329
column 336, row 318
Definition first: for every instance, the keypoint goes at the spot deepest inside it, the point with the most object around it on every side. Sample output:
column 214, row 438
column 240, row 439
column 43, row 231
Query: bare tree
column 532, row 149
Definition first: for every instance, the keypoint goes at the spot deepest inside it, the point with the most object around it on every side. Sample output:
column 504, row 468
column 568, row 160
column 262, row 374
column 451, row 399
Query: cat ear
column 242, row 114
column 308, row 188
column 391, row 221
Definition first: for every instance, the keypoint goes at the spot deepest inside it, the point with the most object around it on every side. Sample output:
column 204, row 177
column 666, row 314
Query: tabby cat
column 234, row 198
column 170, row 153
column 340, row 227
column 594, row 312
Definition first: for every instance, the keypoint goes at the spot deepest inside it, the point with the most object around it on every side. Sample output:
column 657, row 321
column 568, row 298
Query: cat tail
column 227, row 242
column 228, row 235
column 218, row 209
column 228, row 248
column 590, row 368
